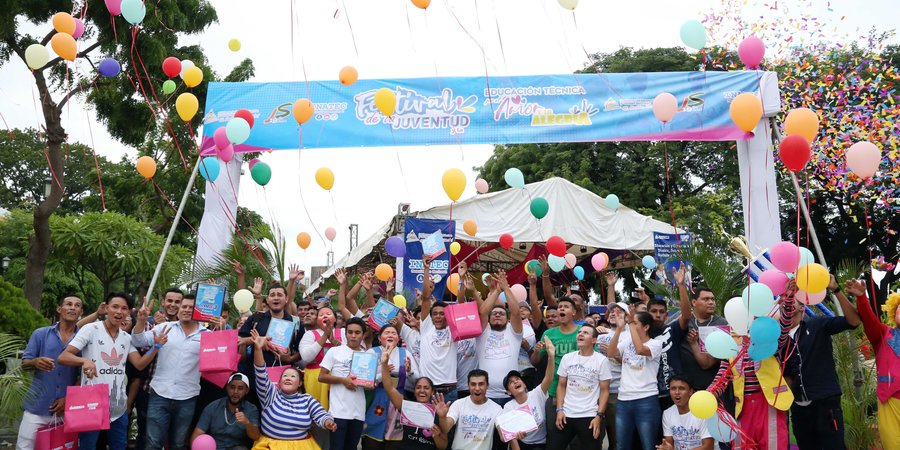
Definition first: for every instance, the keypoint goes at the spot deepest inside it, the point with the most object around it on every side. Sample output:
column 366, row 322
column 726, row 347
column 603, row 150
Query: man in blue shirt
column 231, row 421
column 46, row 396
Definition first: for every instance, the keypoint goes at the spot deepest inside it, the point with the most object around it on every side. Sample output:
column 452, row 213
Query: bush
column 17, row 317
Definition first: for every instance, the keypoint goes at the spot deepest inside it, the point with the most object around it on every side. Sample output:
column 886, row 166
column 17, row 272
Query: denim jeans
column 641, row 414
column 168, row 421
column 347, row 435
column 117, row 436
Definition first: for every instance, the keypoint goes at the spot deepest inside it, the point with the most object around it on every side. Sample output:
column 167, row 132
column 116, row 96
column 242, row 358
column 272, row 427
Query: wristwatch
column 601, row 414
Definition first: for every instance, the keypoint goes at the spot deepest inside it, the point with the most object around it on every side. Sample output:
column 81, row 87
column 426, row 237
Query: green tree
column 127, row 116
column 17, row 316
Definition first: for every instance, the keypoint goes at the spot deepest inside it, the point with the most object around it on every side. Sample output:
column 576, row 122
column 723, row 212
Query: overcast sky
column 395, row 40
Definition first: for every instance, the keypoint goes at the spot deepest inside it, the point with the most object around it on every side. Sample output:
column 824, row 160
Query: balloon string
column 333, row 208
column 669, row 194
column 96, row 162
column 397, row 154
column 254, row 250
column 487, row 80
column 352, row 34
column 869, row 247
column 8, row 130
column 300, row 189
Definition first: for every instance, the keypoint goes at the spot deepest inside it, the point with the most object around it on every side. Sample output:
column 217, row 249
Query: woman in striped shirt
column 287, row 414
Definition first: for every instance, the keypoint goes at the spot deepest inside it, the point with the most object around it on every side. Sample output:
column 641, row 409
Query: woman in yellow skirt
column 313, row 346
column 287, row 414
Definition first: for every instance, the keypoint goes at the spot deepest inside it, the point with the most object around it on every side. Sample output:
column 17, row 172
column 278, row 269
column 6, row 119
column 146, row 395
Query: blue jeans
column 117, row 436
column 641, row 414
column 168, row 421
column 347, row 435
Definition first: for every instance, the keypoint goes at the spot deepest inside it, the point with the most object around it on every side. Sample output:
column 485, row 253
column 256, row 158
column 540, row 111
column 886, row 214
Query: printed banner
column 479, row 110
column 665, row 247
column 415, row 231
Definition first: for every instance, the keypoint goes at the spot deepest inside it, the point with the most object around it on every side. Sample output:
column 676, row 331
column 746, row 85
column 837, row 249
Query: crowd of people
column 623, row 377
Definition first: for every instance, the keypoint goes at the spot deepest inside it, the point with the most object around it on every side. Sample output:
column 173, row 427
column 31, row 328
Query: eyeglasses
column 498, row 313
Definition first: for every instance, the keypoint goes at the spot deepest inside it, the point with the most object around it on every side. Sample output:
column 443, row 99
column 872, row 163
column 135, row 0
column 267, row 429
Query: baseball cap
column 622, row 305
column 524, row 305
column 240, row 377
column 512, row 373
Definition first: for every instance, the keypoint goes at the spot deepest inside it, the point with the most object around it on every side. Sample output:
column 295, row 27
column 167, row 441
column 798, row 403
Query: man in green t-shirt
column 564, row 338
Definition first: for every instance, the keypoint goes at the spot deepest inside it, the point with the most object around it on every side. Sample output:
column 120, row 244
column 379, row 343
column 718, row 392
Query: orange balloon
column 802, row 121
column 64, row 46
column 303, row 240
column 453, row 283
column 384, row 272
column 146, row 166
column 303, row 110
column 470, row 227
column 64, row 23
column 421, row 4
column 348, row 75
column 746, row 111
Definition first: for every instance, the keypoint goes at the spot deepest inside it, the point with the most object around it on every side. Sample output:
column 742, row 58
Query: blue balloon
column 503, row 297
column 556, row 263
column 579, row 272
column 612, row 201
column 693, row 34
column 395, row 246
column 514, row 178
column 133, row 11
column 759, row 352
column 806, row 257
column 721, row 430
column 209, row 168
column 764, row 331
column 109, row 67
column 237, row 130
column 649, row 262
column 721, row 345
column 758, row 299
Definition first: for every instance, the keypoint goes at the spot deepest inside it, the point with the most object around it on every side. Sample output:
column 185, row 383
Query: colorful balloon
column 599, row 261
column 665, row 106
column 186, row 104
column 168, row 87
column 569, row 4
column 539, row 207
column 36, row 56
column 146, row 166
column 261, row 173
column 578, row 272
column 63, row 22
column 720, row 345
column 421, row 4
column 506, row 240
column 812, row 277
column 386, row 101
column 794, row 152
column 133, row 11
column 79, row 28
column 64, row 46
column 237, row 130
column 556, row 263
column 519, row 292
column 192, row 76
column 225, row 154
column 453, row 283
column 764, row 331
column 395, row 246
column 802, row 121
column 813, row 298
column 455, row 248
column 303, row 110
column 220, row 138
column 863, row 158
column 785, row 256
column 246, row 115
column 384, row 272
column 209, row 168
column 330, row 233
column 758, row 299
column 570, row 260
column 775, row 279
column 746, row 111
column 534, row 266
column 303, row 240
column 109, row 67
column 693, row 34
column 514, row 178
column 185, row 65
column 648, row 262
column 720, row 429
column 751, row 51
column 234, row 44
column 703, row 404
column 348, row 75
column 252, row 163
column 737, row 315
column 470, row 227
column 481, row 186
column 243, row 300
column 612, row 201
column 114, row 6
column 171, row 66
column 400, row 301
column 325, row 178
column 556, row 246
column 454, row 183
column 806, row 257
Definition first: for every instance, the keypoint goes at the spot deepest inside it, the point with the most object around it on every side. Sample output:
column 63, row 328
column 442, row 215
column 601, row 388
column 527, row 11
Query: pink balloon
column 252, row 162
column 863, row 159
column 481, row 186
column 776, row 280
column 599, row 261
column 79, row 28
column 330, row 233
column 665, row 106
column 519, row 292
column 225, row 154
column 785, row 256
column 751, row 51
column 220, row 137
column 115, row 8
column 810, row 298
column 570, row 260
column 203, row 442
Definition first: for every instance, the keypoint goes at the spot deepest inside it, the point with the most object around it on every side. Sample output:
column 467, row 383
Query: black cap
column 512, row 373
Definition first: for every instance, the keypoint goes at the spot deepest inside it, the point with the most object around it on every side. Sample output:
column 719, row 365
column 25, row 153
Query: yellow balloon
column 746, row 111
column 470, row 227
column 421, row 4
column 303, row 110
column 400, row 301
column 243, row 299
column 348, row 75
column 812, row 278
column 64, row 23
column 455, row 248
column 802, row 121
column 569, row 4
column 36, row 56
column 234, row 45
column 64, row 46
column 454, row 181
column 192, row 76
column 386, row 101
column 146, row 166
column 303, row 240
column 325, row 178
column 703, row 404
column 186, row 104
column 384, row 272
column 453, row 283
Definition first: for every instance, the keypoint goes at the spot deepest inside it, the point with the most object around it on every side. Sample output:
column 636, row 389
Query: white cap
column 240, row 377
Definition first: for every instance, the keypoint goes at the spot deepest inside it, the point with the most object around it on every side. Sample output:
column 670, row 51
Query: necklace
column 226, row 417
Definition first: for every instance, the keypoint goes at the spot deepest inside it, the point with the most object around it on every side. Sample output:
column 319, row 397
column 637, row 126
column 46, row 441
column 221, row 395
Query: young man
column 347, row 400
column 535, row 399
column 104, row 349
column 437, row 351
column 47, row 394
column 582, row 394
column 565, row 338
column 169, row 307
column 176, row 381
column 816, row 413
column 231, row 421
column 276, row 300
column 474, row 414
column 671, row 336
column 700, row 368
column 681, row 429
column 497, row 349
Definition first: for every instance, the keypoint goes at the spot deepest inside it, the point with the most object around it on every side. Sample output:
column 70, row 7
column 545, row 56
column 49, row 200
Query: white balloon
column 185, row 64
column 243, row 299
column 738, row 317
column 568, row 4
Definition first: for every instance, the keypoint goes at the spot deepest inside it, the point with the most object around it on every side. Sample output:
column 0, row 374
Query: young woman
column 413, row 438
column 313, row 346
column 535, row 399
column 287, row 414
column 383, row 429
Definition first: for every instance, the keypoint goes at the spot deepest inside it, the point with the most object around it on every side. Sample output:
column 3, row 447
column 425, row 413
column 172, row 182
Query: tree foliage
column 17, row 317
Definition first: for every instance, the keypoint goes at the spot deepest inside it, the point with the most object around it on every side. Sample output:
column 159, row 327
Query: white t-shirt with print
column 686, row 429
column 615, row 368
column 438, row 354
column 583, row 376
column 536, row 401
column 466, row 361
column 498, row 354
column 343, row 403
column 411, row 339
column 474, row 423
column 109, row 355
column 638, row 371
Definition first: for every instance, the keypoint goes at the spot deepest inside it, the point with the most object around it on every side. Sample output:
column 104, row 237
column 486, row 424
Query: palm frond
column 718, row 272
column 14, row 381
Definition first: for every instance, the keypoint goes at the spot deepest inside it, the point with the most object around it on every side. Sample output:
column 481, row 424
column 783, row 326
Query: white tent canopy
column 576, row 214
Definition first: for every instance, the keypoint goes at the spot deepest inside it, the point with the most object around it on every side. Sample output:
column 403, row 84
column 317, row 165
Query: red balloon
column 246, row 115
column 506, row 240
column 171, row 66
column 794, row 152
column 556, row 246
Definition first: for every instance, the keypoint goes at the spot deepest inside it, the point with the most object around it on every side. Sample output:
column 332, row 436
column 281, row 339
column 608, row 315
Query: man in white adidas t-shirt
column 681, row 429
column 473, row 416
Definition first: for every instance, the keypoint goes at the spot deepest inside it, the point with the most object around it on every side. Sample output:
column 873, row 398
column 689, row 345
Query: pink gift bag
column 54, row 437
column 464, row 321
column 87, row 408
column 219, row 351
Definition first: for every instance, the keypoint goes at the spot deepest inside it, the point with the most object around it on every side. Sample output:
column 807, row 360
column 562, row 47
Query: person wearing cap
column 533, row 399
column 616, row 313
column 231, row 421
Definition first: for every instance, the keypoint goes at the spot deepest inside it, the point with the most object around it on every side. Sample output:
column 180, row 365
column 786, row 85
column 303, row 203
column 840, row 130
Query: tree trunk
column 40, row 243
